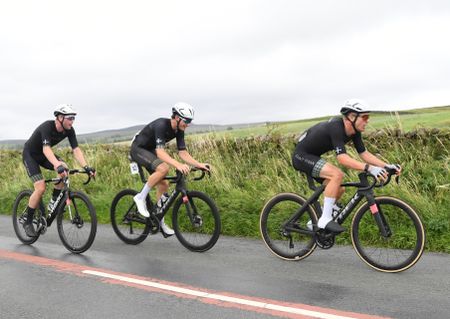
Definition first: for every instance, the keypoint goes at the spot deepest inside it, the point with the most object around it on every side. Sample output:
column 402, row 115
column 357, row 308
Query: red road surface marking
column 223, row 299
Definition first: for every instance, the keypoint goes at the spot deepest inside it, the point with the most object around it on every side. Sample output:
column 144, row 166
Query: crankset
column 325, row 240
column 154, row 224
column 41, row 225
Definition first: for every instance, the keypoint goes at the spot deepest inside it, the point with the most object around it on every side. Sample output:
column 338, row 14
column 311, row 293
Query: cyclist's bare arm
column 185, row 156
column 371, row 159
column 165, row 157
column 78, row 154
column 48, row 152
column 349, row 162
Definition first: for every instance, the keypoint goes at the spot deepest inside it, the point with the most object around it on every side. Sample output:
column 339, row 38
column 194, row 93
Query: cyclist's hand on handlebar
column 204, row 167
column 90, row 171
column 61, row 169
column 396, row 167
column 379, row 173
column 183, row 168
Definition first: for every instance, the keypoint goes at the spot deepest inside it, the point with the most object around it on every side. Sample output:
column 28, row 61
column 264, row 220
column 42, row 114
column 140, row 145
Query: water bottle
column 336, row 209
column 162, row 200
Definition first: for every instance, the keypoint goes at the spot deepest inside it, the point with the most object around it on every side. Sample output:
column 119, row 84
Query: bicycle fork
column 378, row 215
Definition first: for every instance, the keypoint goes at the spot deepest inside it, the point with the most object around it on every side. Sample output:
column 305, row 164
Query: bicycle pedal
column 166, row 235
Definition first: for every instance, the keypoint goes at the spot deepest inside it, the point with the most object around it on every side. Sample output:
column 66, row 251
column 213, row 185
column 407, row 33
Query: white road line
column 202, row 294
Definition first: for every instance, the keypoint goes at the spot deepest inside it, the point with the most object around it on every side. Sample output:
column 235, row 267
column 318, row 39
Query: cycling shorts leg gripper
column 318, row 167
column 37, row 178
column 145, row 158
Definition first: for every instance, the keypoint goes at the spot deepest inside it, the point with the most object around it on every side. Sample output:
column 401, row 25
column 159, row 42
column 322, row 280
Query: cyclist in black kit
column 333, row 135
column 37, row 152
column 148, row 150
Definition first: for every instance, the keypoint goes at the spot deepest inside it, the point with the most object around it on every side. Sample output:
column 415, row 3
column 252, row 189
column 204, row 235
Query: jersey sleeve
column 181, row 145
column 72, row 138
column 46, row 134
column 160, row 135
column 358, row 142
column 338, row 139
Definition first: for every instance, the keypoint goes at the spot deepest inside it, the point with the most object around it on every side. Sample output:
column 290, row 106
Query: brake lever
column 89, row 178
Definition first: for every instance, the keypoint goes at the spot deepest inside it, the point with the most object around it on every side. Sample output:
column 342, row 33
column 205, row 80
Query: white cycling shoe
column 166, row 230
column 141, row 206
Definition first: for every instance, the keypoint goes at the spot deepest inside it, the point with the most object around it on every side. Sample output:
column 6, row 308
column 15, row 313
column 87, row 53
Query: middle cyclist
column 148, row 150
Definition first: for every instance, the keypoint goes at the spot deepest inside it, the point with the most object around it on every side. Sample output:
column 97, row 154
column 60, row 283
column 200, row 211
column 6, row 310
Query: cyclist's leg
column 333, row 179
column 57, row 188
column 152, row 163
column 161, row 187
column 34, row 172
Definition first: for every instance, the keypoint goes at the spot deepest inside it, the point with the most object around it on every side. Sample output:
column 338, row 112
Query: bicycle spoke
column 77, row 223
column 196, row 222
column 126, row 221
column 287, row 241
column 397, row 251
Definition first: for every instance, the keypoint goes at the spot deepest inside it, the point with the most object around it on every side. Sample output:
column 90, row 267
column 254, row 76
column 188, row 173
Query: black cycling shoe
column 334, row 227
column 29, row 230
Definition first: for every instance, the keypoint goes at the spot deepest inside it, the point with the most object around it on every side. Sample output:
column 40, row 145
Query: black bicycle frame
column 62, row 195
column 365, row 190
column 180, row 188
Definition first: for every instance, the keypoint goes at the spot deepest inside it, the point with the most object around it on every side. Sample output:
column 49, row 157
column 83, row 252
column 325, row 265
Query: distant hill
column 126, row 134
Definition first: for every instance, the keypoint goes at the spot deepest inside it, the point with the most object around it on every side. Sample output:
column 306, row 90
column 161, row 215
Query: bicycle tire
column 201, row 234
column 274, row 213
column 18, row 214
column 77, row 222
column 125, row 218
column 398, row 252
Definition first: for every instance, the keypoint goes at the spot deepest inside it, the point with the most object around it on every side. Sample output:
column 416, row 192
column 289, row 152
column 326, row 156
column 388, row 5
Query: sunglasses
column 70, row 118
column 365, row 117
column 187, row 121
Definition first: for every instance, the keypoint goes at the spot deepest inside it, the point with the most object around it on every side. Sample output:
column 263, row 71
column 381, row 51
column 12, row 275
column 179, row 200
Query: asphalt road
column 46, row 281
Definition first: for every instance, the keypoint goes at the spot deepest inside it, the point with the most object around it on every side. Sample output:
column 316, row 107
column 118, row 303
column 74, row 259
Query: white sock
column 144, row 192
column 327, row 216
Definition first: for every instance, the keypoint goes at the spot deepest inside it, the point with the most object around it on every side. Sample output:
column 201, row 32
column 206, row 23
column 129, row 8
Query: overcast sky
column 124, row 63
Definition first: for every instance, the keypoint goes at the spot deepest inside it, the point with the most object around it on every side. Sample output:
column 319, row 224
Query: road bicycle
column 75, row 215
column 195, row 217
column 386, row 232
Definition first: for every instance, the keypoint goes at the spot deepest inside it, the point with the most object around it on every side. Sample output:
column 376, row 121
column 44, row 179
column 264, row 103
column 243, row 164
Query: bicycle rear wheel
column 127, row 223
column 197, row 222
column 77, row 223
column 398, row 251
column 287, row 244
column 19, row 216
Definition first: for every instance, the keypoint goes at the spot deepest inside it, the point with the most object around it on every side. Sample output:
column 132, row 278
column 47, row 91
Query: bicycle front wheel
column 77, row 223
column 130, row 226
column 404, row 243
column 196, row 222
column 284, row 243
column 19, row 216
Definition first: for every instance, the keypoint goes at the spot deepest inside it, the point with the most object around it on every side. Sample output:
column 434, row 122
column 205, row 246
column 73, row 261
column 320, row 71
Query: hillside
column 432, row 117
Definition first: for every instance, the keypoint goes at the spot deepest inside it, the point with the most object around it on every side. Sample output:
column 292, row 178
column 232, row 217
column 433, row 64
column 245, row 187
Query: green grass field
column 438, row 117
column 249, row 171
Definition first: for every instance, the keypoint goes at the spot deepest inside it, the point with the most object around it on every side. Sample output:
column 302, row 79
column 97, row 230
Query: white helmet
column 64, row 109
column 183, row 110
column 356, row 106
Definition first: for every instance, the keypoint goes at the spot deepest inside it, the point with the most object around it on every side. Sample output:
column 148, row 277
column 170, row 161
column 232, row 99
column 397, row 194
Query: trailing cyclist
column 38, row 152
column 148, row 150
column 333, row 135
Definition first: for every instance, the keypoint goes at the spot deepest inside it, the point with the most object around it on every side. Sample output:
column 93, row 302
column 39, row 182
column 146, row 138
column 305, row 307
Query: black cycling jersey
column 46, row 134
column 157, row 134
column 326, row 136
